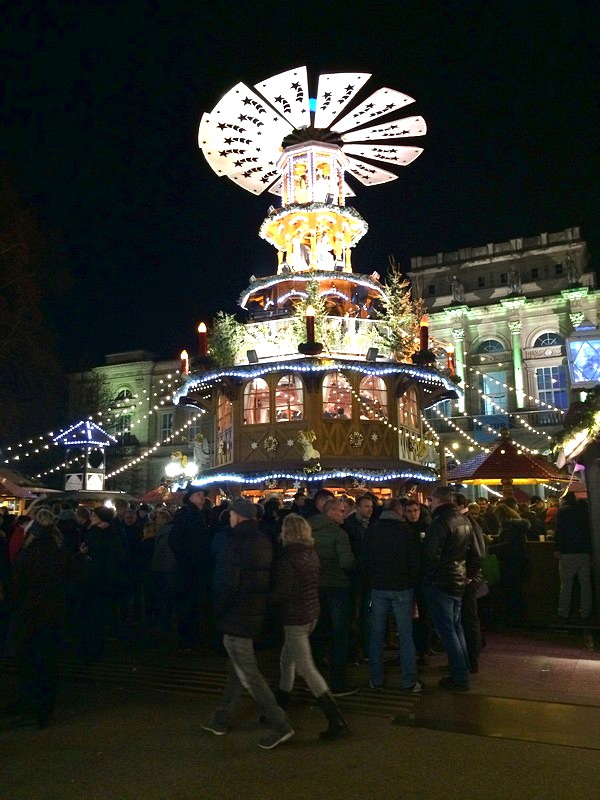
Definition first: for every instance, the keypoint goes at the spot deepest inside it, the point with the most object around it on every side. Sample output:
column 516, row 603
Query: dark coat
column 334, row 551
column 356, row 533
column 449, row 557
column 511, row 551
column 573, row 532
column 391, row 554
column 244, row 580
column 296, row 584
column 190, row 539
column 105, row 561
column 40, row 574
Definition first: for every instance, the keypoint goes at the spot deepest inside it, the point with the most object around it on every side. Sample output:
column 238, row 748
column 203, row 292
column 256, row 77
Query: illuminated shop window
column 289, row 399
column 373, row 398
column 224, row 441
column 224, row 413
column 337, row 396
column 256, row 402
column 408, row 409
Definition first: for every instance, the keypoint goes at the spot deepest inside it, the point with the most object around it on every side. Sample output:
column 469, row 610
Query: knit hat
column 245, row 508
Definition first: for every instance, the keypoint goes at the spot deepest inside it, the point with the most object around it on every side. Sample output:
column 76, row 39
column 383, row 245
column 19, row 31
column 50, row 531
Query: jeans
column 571, row 565
column 335, row 610
column 243, row 673
column 296, row 656
column 400, row 604
column 470, row 624
column 445, row 614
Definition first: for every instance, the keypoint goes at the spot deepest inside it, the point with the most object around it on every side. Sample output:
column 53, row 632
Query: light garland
column 373, row 476
column 152, row 450
column 201, row 383
column 385, row 421
column 437, row 441
column 515, row 415
column 537, row 401
column 318, row 275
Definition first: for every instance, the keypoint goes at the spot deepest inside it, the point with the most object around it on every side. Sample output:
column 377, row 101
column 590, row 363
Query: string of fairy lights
column 153, row 449
column 163, row 394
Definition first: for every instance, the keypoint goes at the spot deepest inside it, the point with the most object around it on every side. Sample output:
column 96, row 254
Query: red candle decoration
column 310, row 325
column 450, row 356
column 202, row 340
column 424, row 335
column 185, row 362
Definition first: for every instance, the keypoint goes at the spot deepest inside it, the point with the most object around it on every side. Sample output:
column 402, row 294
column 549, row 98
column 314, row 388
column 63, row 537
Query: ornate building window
column 337, row 396
column 549, row 339
column 257, row 402
column 124, row 394
column 373, row 398
column 122, row 427
column 552, row 388
column 408, row 409
column 224, row 443
column 490, row 346
column 289, row 399
column 166, row 426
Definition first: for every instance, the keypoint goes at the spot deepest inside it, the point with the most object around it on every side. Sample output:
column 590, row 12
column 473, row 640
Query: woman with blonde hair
column 296, row 592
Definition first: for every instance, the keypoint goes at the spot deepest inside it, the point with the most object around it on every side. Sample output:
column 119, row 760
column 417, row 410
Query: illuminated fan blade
column 348, row 191
column 383, row 101
column 255, row 179
column 334, row 93
column 397, row 154
column 288, row 93
column 241, row 128
column 277, row 188
column 409, row 126
column 369, row 174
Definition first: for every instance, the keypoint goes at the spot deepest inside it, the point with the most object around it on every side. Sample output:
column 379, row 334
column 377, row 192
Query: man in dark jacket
column 390, row 558
column 356, row 526
column 450, row 562
column 573, row 549
column 190, row 541
column 244, row 573
column 337, row 561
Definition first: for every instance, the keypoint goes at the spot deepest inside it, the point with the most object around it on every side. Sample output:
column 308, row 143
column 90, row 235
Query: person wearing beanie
column 240, row 597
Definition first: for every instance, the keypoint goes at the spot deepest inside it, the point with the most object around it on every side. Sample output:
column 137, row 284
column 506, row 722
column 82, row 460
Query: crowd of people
column 331, row 580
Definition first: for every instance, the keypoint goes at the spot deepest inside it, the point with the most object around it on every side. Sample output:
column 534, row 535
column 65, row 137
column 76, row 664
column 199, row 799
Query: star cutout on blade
column 221, row 126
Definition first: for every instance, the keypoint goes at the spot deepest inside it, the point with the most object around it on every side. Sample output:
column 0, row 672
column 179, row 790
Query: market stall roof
column 506, row 461
column 13, row 484
column 161, row 494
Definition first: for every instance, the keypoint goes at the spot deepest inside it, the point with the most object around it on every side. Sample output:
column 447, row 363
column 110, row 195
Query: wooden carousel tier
column 344, row 291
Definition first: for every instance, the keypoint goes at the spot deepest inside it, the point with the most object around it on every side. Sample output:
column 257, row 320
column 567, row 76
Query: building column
column 458, row 334
column 517, row 354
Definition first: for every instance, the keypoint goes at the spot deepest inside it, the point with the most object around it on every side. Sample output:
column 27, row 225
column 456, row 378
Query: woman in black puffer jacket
column 296, row 592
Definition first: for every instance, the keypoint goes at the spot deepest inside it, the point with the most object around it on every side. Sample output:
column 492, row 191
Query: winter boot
column 338, row 727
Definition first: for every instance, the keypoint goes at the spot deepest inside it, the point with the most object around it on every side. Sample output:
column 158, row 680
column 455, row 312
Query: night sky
column 102, row 106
